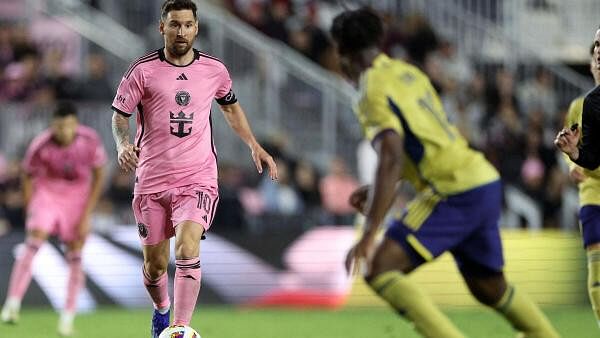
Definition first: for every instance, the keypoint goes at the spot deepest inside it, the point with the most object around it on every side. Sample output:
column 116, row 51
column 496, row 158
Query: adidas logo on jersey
column 182, row 77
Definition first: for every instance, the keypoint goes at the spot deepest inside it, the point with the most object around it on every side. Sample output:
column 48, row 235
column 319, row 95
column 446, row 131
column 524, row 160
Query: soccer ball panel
column 179, row 332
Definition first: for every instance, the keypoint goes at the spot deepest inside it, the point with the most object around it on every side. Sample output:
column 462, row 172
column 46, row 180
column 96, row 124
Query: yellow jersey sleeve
column 573, row 116
column 374, row 113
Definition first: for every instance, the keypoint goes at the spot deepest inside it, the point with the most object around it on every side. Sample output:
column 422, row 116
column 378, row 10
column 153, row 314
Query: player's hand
column 259, row 155
column 127, row 157
column 360, row 255
column 358, row 199
column 566, row 140
column 576, row 175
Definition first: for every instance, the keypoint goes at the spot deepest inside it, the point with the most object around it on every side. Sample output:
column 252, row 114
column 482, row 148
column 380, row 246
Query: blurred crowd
column 510, row 118
column 40, row 72
column 295, row 23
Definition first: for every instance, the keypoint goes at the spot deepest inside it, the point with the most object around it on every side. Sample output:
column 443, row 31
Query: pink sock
column 187, row 287
column 20, row 276
column 76, row 280
column 158, row 290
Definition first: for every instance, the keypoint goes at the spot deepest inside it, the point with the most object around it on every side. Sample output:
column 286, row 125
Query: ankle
column 13, row 302
column 163, row 310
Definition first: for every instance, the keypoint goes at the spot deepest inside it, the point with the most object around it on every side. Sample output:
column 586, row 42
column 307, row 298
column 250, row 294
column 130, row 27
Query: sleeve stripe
column 210, row 57
column 136, row 62
column 119, row 111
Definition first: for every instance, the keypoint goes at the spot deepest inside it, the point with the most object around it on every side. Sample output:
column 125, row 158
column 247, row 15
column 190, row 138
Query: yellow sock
column 524, row 315
column 594, row 281
column 411, row 302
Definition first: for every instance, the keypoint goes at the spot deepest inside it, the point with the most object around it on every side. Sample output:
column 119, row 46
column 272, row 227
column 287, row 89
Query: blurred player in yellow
column 589, row 196
column 458, row 204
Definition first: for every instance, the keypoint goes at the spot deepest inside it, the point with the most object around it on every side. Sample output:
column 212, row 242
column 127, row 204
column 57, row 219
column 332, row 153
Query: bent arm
column 236, row 118
column 120, row 130
column 97, row 182
column 389, row 166
column 589, row 150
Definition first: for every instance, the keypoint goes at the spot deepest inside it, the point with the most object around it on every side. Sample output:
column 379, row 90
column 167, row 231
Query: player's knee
column 381, row 266
column 156, row 268
column 74, row 246
column 389, row 257
column 593, row 247
column 487, row 297
column 487, row 290
column 186, row 249
column 375, row 270
column 37, row 235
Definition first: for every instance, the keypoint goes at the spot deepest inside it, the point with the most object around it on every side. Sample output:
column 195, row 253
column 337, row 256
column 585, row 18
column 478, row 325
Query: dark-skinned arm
column 389, row 148
column 388, row 145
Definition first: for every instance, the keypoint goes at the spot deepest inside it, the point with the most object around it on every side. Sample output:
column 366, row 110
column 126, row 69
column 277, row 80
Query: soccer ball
column 179, row 331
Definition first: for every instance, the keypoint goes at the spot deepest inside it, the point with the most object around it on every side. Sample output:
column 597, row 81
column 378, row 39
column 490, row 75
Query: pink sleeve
column 129, row 92
column 224, row 94
column 32, row 163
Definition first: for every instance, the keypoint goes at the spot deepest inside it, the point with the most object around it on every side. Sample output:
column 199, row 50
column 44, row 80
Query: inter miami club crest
column 182, row 98
column 142, row 230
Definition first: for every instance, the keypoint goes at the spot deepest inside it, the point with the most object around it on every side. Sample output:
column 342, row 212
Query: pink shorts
column 158, row 214
column 57, row 219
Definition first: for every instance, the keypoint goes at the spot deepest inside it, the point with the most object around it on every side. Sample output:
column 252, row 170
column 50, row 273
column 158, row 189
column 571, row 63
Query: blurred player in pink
column 62, row 179
column 174, row 157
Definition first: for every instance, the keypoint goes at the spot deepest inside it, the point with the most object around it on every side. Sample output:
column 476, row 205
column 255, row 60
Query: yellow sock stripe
column 506, row 299
column 384, row 281
column 419, row 247
column 593, row 256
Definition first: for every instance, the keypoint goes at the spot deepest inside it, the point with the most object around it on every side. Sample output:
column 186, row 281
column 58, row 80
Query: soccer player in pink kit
column 174, row 158
column 62, row 180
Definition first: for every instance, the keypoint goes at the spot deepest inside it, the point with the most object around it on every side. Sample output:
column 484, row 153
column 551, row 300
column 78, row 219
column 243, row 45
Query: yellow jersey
column 589, row 189
column 395, row 95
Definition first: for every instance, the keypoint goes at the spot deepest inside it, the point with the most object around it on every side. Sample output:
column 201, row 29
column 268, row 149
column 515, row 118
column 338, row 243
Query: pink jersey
column 174, row 128
column 63, row 174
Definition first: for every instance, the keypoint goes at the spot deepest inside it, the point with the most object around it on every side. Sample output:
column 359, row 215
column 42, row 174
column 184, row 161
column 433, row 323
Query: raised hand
column 566, row 140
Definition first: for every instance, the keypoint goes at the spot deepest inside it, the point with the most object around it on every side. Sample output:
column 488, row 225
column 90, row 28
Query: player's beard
column 180, row 49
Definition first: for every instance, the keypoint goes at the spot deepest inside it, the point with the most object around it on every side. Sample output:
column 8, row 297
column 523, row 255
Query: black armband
column 227, row 99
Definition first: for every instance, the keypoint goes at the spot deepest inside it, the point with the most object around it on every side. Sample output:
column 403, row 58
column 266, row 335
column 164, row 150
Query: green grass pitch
column 227, row 322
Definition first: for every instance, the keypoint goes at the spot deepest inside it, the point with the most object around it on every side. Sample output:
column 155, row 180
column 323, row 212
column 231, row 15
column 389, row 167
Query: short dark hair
column 64, row 109
column 176, row 5
column 357, row 30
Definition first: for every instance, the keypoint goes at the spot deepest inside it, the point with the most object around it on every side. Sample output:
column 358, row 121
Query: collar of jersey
column 161, row 56
column 380, row 60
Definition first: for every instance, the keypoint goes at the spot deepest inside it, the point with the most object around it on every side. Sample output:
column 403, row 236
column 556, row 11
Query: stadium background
column 506, row 71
